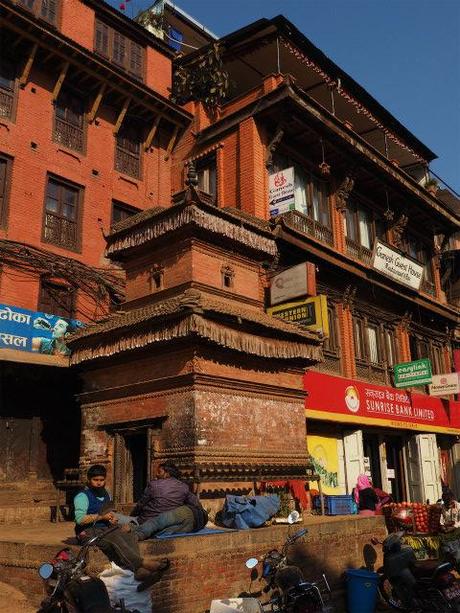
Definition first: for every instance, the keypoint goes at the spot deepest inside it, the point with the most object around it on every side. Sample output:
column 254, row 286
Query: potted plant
column 432, row 186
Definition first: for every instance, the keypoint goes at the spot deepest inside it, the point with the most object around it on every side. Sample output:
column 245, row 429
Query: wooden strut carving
column 273, row 145
column 406, row 321
column 343, row 192
column 349, row 297
column 398, row 229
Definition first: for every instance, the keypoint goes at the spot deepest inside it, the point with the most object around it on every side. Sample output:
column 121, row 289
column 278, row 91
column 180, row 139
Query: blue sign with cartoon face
column 25, row 330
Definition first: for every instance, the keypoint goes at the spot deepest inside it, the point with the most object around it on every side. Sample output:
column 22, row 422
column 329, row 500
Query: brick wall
column 207, row 567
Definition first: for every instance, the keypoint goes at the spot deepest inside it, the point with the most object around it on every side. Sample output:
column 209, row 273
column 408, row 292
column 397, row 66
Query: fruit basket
column 413, row 517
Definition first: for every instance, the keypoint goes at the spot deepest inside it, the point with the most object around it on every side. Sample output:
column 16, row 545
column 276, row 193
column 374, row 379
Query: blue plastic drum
column 361, row 590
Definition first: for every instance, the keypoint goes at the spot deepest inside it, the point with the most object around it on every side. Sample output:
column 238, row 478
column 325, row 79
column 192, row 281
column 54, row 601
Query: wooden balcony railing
column 127, row 163
column 302, row 223
column 427, row 287
column 6, row 103
column 61, row 231
column 359, row 252
column 375, row 373
column 68, row 135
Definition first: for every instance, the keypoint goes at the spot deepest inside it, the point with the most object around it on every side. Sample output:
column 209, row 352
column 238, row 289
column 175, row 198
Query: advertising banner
column 325, row 459
column 444, row 385
column 397, row 266
column 281, row 192
column 351, row 401
column 408, row 374
column 311, row 313
column 292, row 283
column 31, row 331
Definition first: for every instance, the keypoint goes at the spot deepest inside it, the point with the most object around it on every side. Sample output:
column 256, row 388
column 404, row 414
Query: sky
column 405, row 53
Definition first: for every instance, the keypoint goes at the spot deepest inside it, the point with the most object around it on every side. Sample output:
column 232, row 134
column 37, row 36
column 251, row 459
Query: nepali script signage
column 409, row 374
column 351, row 401
column 281, row 192
column 397, row 266
column 24, row 330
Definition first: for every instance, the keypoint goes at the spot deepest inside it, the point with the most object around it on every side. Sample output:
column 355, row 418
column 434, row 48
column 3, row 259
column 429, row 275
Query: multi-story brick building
column 86, row 134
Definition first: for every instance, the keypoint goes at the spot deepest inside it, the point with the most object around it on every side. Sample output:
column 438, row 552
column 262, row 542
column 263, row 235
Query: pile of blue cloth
column 244, row 512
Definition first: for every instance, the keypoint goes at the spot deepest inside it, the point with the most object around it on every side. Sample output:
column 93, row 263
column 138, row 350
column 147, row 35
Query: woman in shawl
column 365, row 496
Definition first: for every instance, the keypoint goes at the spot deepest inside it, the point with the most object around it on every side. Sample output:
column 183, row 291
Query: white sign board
column 281, row 191
column 443, row 385
column 396, row 266
column 290, row 283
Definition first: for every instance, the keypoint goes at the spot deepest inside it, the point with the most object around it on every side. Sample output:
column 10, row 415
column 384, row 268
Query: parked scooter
column 70, row 589
column 288, row 591
column 410, row 585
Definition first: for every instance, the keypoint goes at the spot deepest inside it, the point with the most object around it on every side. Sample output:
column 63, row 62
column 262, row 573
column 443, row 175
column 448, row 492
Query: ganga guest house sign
column 397, row 266
column 351, row 401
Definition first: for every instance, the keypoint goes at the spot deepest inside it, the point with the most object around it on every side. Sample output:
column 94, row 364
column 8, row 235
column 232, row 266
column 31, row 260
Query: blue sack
column 244, row 512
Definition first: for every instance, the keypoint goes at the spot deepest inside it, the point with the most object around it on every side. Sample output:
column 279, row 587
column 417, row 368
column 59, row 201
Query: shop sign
column 292, row 283
column 351, row 401
column 444, row 385
column 31, row 331
column 281, row 192
column 311, row 313
column 397, row 266
column 409, row 374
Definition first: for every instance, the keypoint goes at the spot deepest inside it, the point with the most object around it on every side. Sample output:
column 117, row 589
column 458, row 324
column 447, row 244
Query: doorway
column 395, row 467
column 371, row 447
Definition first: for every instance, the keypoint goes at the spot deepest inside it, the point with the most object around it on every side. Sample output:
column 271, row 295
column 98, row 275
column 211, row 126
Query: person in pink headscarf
column 365, row 496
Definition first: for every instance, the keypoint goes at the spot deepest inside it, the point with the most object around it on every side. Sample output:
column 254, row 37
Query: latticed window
column 69, row 121
column 56, row 299
column 61, row 225
column 45, row 9
column 7, row 85
column 122, row 211
column 120, row 49
column 128, row 149
column 362, row 228
column 375, row 349
column 422, row 347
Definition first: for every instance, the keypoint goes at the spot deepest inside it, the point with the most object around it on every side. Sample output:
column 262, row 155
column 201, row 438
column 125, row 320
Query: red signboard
column 351, row 401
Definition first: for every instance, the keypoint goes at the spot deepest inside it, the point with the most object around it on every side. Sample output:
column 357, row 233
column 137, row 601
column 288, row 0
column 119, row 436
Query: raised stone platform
column 202, row 567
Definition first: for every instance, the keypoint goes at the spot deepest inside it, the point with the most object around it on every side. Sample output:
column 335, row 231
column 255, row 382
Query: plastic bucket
column 361, row 590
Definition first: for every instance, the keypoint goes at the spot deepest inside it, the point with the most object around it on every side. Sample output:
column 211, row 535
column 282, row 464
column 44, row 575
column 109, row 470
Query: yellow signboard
column 311, row 313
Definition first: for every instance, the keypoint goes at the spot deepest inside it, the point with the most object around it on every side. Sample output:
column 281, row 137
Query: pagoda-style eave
column 62, row 49
column 325, row 122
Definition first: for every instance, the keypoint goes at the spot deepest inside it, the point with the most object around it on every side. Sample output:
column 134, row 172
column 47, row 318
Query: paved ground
column 14, row 601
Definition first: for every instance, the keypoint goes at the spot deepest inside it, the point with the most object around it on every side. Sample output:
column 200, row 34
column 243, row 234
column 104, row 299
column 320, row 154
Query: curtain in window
column 300, row 190
column 373, row 345
column 389, row 347
column 364, row 228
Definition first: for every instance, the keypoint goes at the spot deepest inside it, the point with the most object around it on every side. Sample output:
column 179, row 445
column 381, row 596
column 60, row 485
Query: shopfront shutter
column 431, row 470
column 414, row 470
column 354, row 457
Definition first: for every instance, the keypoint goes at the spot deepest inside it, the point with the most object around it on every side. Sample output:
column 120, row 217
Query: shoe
column 154, row 576
column 156, row 565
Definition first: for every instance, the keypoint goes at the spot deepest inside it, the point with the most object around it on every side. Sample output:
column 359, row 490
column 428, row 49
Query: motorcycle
column 289, row 592
column 409, row 585
column 70, row 589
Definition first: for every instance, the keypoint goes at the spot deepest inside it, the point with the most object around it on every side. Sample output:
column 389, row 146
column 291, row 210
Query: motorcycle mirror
column 46, row 570
column 251, row 563
column 293, row 517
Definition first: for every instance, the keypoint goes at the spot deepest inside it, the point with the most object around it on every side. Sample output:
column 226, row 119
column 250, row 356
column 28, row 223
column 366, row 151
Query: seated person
column 365, row 496
column 450, row 517
column 119, row 546
column 168, row 506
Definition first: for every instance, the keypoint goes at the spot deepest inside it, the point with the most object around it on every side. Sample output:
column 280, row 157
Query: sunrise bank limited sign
column 397, row 266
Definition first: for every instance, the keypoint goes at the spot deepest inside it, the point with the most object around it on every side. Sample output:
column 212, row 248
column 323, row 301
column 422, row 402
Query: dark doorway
column 137, row 448
column 395, row 467
column 371, row 451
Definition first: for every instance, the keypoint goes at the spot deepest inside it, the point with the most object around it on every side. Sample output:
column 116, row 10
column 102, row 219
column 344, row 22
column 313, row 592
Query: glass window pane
column 300, row 189
column 373, row 346
column 350, row 224
column 364, row 228
column 52, row 205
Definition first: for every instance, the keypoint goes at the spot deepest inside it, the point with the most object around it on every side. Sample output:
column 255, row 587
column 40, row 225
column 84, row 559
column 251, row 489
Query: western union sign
column 311, row 313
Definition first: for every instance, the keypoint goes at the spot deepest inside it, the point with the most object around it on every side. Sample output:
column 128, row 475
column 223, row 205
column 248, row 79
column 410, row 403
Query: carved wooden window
column 120, row 49
column 206, row 170
column 8, row 73
column 375, row 349
column 156, row 279
column 422, row 347
column 69, row 121
column 331, row 344
column 5, row 174
column 62, row 214
column 128, row 149
column 122, row 211
column 44, row 9
column 228, row 276
column 362, row 227
column 56, row 299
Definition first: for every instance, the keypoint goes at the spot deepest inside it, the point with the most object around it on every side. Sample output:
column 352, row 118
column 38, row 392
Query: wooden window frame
column 434, row 351
column 36, row 10
column 332, row 344
column 205, row 166
column 381, row 369
column 131, row 210
column 82, row 128
column 130, row 46
column 10, row 94
column 122, row 153
column 79, row 213
column 422, row 248
column 6, row 188
column 44, row 283
column 354, row 245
